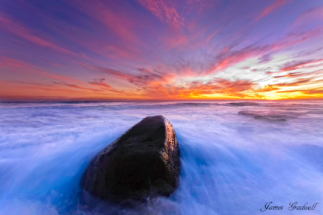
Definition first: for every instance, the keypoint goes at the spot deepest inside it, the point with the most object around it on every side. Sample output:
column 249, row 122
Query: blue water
column 236, row 156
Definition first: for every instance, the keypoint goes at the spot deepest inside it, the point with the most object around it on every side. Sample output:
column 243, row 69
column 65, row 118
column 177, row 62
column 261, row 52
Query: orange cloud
column 100, row 82
column 59, row 84
column 298, row 82
column 267, row 88
column 224, row 87
column 315, row 91
column 18, row 90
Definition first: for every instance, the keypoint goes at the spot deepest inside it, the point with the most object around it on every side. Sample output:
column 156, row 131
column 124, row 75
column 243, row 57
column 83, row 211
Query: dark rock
column 143, row 163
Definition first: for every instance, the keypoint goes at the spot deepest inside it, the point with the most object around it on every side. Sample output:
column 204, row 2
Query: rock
column 143, row 163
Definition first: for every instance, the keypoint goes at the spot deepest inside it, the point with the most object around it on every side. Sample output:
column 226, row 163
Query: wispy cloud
column 165, row 10
column 163, row 48
column 271, row 8
column 100, row 82
column 21, row 31
column 301, row 65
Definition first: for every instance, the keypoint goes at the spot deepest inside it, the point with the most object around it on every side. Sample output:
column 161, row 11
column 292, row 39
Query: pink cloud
column 18, row 29
column 118, row 22
column 309, row 16
column 25, row 68
column 271, row 8
column 227, row 58
column 300, row 65
column 100, row 82
column 213, row 34
column 165, row 10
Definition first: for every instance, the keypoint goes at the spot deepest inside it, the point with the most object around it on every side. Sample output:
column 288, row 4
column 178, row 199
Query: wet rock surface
column 143, row 163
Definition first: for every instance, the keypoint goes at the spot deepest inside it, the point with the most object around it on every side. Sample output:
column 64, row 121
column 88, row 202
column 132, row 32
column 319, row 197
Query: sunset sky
column 161, row 49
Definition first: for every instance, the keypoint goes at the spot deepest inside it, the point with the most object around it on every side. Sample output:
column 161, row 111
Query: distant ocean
column 236, row 155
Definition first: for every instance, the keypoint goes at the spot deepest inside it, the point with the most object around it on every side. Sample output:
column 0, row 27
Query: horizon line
column 29, row 99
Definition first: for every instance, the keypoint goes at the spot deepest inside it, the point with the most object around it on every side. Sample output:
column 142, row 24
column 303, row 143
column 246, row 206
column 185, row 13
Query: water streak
column 235, row 156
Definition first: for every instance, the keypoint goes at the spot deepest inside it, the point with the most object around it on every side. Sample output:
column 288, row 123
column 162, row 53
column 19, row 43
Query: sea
column 237, row 157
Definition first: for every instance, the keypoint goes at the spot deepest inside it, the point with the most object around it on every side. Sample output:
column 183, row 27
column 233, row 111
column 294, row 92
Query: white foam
column 231, row 163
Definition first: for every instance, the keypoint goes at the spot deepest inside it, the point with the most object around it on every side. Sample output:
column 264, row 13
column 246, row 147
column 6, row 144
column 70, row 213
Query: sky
column 161, row 49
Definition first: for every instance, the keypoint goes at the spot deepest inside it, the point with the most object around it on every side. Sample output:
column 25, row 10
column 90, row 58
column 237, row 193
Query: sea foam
column 236, row 156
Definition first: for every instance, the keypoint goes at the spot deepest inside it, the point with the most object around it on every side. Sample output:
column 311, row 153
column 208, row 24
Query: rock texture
column 143, row 163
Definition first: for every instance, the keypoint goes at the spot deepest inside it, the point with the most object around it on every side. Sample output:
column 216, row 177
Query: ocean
column 236, row 156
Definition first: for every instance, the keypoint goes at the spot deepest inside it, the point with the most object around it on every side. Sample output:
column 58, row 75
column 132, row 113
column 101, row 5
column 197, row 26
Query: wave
column 243, row 104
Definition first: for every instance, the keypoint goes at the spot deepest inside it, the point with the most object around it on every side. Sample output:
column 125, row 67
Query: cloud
column 314, row 15
column 116, row 19
column 300, row 74
column 298, row 82
column 313, row 91
column 100, row 82
column 267, row 88
column 21, row 31
column 227, row 57
column 109, row 72
column 164, row 10
column 95, row 90
column 144, row 70
column 213, row 34
column 76, row 86
column 151, row 83
column 163, row 48
column 265, row 58
column 271, row 8
column 225, row 87
column 300, row 65
column 27, row 69
column 142, row 77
